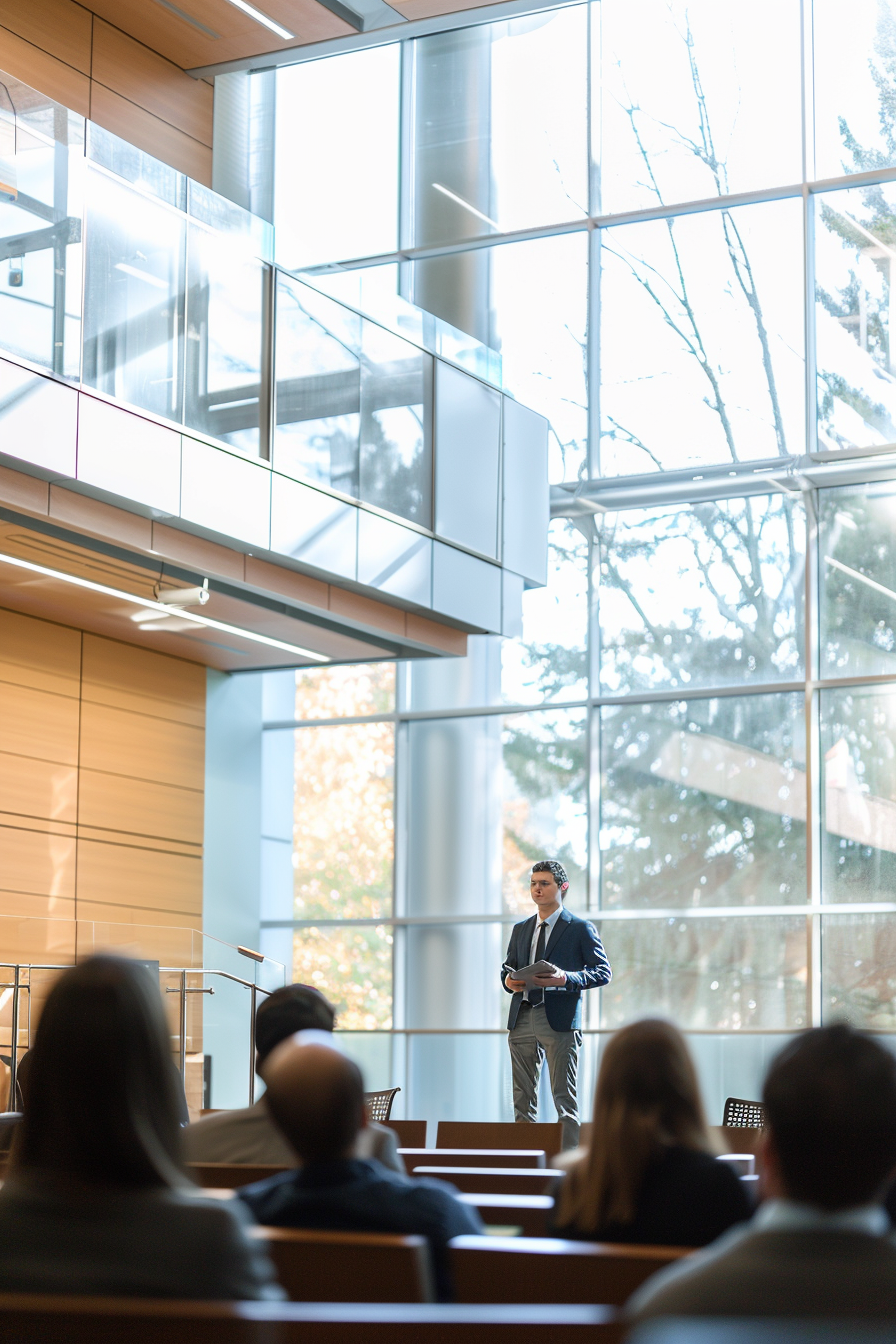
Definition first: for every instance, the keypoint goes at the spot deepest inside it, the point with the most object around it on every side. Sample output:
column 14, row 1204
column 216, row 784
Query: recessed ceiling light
column 149, row 605
column 257, row 15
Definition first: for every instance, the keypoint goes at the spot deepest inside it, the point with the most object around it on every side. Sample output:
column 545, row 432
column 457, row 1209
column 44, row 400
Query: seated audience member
column 649, row 1175
column 96, row 1200
column 820, row 1246
column 250, row 1135
column 316, row 1096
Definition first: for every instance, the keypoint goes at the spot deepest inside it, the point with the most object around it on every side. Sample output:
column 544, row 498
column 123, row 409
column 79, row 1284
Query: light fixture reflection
column 158, row 607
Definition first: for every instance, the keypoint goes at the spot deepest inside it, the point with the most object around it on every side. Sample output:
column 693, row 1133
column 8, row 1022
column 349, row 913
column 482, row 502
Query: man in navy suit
column 546, row 1020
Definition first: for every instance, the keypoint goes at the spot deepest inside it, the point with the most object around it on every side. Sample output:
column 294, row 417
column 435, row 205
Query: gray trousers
column 531, row 1038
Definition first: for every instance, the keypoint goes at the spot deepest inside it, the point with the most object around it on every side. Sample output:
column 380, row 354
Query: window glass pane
column 702, row 339
column 858, row 970
column 858, row 580
column 343, row 821
column 854, row 66
column 500, row 126
column 345, row 692
column 858, row 728
column 707, row 974
column 352, row 967
column 705, row 594
column 134, row 307
column 529, row 301
column 318, row 417
column 41, row 180
column 698, row 99
column 703, row 803
column 396, row 425
column 224, row 335
column 549, row 661
column 545, row 802
column 855, row 288
column 337, row 186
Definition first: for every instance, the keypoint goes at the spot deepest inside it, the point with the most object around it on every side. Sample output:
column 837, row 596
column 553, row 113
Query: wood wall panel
column 130, row 678
column 34, row 788
column 102, row 750
column 158, row 86
column 38, row 724
column 58, row 27
column 37, row 654
column 150, row 134
column 140, row 807
column 142, row 746
column 130, row 877
column 54, row 78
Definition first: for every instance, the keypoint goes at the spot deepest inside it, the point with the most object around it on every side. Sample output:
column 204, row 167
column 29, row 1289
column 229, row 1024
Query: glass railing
column 210, row 990
column 121, row 273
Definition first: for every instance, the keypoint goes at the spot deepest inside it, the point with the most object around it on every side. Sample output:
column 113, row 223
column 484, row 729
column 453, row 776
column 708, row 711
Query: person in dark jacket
column 316, row 1096
column 96, row 1200
column 649, row 1176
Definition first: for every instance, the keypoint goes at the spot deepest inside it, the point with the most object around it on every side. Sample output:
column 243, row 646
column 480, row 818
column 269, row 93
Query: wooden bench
column 349, row 1266
column 230, row 1175
column 546, row 1269
column 530, row 1213
column 493, row 1180
column 31, row 1319
column 547, row 1135
column 472, row 1157
column 411, row 1133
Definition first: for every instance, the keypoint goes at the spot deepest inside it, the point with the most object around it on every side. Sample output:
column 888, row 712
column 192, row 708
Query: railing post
column 13, row 1054
column 253, row 994
column 183, row 1027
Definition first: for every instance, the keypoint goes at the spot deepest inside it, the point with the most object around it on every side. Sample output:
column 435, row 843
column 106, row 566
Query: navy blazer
column 574, row 946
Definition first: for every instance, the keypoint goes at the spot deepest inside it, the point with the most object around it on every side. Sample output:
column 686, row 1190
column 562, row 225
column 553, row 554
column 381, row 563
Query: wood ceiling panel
column 54, row 78
column 148, row 133
column 237, row 34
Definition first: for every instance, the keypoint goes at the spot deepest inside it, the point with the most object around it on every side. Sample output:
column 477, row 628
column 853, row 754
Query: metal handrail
column 17, row 985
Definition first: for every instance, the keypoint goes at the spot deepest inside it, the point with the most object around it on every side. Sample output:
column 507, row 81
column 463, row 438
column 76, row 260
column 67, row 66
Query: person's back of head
column 290, row 1009
column 101, row 1100
column 647, row 1098
column 316, row 1098
column 830, row 1101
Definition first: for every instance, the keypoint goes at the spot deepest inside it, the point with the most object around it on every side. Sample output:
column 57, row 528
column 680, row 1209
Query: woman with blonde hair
column 649, row 1175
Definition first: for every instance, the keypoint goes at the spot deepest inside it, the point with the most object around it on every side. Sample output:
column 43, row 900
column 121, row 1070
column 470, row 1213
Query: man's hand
column 515, row 986
column 557, row 978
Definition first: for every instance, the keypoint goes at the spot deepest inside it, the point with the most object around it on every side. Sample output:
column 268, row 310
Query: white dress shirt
column 550, row 922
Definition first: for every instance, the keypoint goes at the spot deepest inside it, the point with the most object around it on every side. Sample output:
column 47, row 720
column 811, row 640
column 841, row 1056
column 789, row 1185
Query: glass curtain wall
column 697, row 714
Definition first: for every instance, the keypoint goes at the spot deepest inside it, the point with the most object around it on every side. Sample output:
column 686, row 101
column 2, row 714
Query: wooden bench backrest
column 411, row 1133
column 26, row 1319
column 491, row 1180
column 528, row 1212
column 229, row 1175
column 534, row 1269
column 349, row 1266
column 472, row 1157
column 500, row 1134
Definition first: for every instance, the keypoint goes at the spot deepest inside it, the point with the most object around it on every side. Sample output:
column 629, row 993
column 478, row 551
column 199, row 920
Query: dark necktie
column 536, row 996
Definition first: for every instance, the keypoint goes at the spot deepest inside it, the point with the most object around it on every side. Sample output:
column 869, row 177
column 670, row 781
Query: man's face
column 545, row 892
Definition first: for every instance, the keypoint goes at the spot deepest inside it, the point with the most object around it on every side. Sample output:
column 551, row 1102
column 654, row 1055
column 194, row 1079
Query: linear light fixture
column 149, row 605
column 257, row 15
column 459, row 200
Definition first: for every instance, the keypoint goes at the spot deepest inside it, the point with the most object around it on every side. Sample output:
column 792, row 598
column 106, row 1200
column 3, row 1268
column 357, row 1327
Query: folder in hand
column 528, row 973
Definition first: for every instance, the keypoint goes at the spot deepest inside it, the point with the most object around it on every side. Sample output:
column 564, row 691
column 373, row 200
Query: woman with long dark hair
column 97, row 1200
column 648, row 1176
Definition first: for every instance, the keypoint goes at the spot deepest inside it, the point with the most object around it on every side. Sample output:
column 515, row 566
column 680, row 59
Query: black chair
column 379, row 1104
column 740, row 1114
